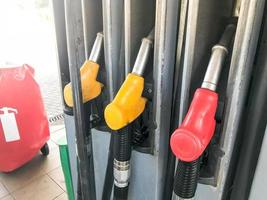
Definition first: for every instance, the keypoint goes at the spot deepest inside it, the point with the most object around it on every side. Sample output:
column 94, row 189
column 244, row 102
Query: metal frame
column 166, row 26
column 252, row 125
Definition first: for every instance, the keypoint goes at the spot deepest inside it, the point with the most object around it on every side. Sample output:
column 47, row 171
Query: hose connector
column 121, row 173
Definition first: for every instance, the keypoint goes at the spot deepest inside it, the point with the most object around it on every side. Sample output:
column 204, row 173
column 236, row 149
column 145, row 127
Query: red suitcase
column 24, row 128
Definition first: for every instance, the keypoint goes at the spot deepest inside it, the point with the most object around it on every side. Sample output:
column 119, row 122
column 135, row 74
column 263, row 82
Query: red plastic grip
column 190, row 140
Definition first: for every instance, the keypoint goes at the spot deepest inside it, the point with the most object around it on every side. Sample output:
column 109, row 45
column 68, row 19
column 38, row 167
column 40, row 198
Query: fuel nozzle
column 189, row 141
column 129, row 103
column 91, row 88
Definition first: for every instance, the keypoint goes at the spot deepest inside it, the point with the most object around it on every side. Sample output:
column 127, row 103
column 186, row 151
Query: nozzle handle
column 190, row 140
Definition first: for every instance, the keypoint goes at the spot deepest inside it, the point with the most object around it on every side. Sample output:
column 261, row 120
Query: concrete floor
column 40, row 179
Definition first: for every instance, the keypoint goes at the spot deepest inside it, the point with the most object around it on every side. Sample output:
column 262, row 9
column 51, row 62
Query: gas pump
column 127, row 106
column 189, row 141
column 132, row 157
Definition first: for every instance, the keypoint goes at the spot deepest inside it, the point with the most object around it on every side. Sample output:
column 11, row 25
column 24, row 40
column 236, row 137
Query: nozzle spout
column 95, row 53
column 143, row 54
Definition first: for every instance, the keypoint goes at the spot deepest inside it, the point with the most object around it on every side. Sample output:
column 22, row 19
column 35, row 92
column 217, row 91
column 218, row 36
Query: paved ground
column 51, row 91
column 40, row 179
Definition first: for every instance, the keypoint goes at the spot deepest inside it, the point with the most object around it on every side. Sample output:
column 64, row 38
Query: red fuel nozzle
column 190, row 140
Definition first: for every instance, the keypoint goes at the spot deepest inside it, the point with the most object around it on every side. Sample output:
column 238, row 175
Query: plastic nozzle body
column 128, row 103
column 190, row 140
column 91, row 88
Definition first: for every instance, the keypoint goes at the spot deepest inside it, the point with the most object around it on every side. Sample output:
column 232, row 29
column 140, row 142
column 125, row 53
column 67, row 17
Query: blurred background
column 27, row 36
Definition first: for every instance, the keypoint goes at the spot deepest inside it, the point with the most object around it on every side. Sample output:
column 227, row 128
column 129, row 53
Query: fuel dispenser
column 135, row 156
column 189, row 141
column 126, row 107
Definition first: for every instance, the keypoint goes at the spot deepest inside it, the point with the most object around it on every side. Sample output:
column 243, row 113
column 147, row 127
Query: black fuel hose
column 186, row 176
column 122, row 155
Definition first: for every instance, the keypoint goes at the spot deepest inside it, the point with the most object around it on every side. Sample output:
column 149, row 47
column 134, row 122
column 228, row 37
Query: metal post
column 166, row 26
column 92, row 22
column 113, row 32
column 63, row 64
column 76, row 54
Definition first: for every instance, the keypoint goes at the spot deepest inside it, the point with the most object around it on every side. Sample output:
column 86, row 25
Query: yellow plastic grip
column 91, row 88
column 128, row 103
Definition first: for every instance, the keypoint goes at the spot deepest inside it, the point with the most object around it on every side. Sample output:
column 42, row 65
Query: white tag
column 9, row 124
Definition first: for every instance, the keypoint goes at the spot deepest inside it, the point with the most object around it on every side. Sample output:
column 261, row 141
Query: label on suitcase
column 9, row 124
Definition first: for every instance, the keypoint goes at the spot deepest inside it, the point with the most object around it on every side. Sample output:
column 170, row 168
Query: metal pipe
column 127, row 37
column 189, row 53
column 236, row 8
column 76, row 53
column 113, row 29
column 219, row 53
column 143, row 54
column 63, row 65
column 171, row 159
column 95, row 53
column 214, row 68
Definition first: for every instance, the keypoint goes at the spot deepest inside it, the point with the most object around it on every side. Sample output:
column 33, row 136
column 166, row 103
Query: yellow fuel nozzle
column 91, row 88
column 128, row 104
